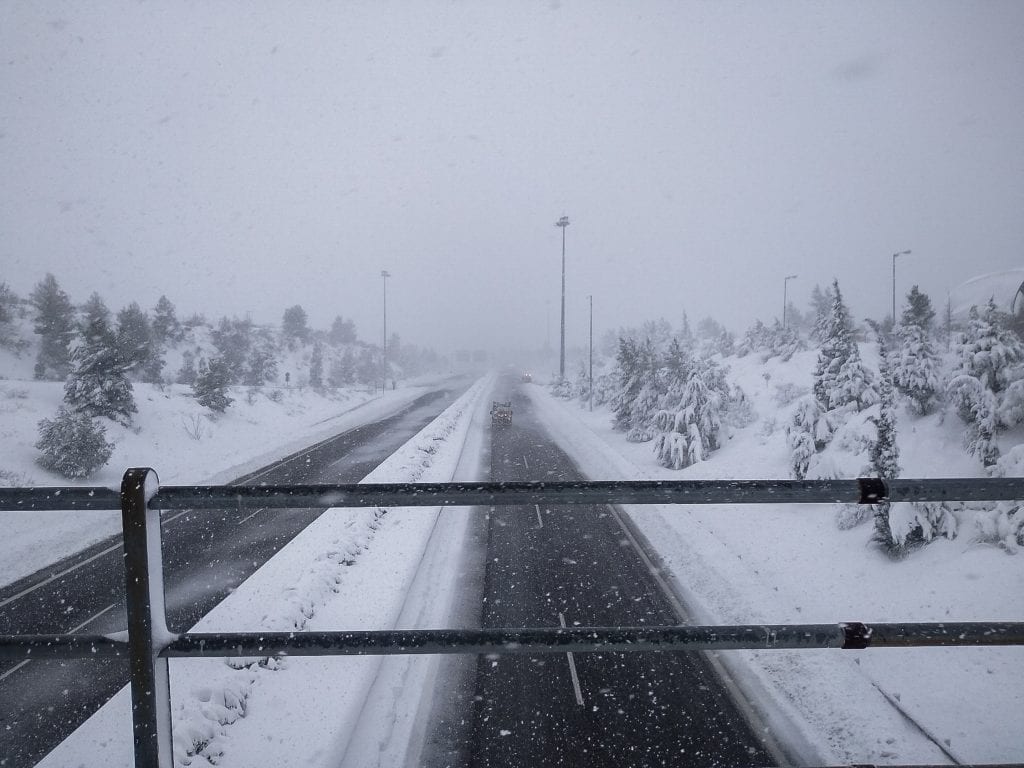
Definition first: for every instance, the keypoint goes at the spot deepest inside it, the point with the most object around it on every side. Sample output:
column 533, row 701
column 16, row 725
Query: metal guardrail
column 150, row 644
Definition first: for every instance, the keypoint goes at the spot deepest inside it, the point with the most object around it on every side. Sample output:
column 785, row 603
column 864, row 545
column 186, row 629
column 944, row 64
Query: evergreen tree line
column 985, row 386
column 99, row 356
column 666, row 388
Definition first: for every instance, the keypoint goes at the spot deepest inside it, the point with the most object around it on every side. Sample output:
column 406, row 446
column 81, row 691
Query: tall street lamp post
column 785, row 283
column 384, row 373
column 562, row 223
column 901, row 253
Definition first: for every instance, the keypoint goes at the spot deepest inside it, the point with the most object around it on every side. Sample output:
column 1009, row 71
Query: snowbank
column 350, row 569
column 173, row 434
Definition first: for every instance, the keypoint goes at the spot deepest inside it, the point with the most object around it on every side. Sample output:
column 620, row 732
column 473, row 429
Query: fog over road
column 206, row 554
column 576, row 565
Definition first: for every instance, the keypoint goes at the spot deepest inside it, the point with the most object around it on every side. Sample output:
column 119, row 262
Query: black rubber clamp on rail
column 856, row 636
column 872, row 490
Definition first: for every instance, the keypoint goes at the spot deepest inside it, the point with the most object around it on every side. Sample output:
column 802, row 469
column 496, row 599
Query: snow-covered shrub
column 739, row 412
column 851, row 515
column 911, row 525
column 72, row 444
column 562, row 389
column 13, row 479
column 788, row 392
column 1002, row 525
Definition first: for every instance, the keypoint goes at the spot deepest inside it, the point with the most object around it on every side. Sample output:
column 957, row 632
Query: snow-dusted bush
column 72, row 444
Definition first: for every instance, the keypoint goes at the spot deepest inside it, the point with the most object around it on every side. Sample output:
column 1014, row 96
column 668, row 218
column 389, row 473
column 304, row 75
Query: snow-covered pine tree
column 233, row 339
column 841, row 381
column 368, row 368
column 134, row 337
column 784, row 342
column 72, row 444
column 342, row 332
column 10, row 309
column 810, row 429
column 7, row 300
column 343, row 371
column 211, row 385
column 261, row 365
column 293, row 326
column 756, row 339
column 629, row 380
column 884, row 452
column 821, row 307
column 55, row 324
column 917, row 365
column 316, row 367
column 165, row 326
column 645, row 404
column 152, row 368
column 187, row 373
column 689, row 421
column 98, row 384
column 987, row 387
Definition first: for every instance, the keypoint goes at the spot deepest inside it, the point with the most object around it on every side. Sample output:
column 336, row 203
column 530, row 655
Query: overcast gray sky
column 245, row 156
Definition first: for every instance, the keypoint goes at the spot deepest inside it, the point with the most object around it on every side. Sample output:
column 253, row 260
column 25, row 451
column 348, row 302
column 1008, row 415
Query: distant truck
column 527, row 378
column 501, row 413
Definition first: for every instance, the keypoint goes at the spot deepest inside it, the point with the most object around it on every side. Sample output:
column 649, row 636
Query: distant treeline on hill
column 156, row 347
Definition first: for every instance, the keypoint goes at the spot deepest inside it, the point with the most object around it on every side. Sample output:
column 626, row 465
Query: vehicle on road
column 527, row 378
column 501, row 413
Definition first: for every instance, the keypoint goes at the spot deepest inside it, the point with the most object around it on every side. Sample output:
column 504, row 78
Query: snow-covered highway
column 206, row 555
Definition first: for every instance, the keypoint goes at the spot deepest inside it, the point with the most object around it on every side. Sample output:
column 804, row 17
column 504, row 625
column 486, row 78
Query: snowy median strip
column 349, row 569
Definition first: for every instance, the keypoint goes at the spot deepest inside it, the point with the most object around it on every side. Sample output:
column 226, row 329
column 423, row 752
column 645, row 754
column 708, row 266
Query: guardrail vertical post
column 147, row 623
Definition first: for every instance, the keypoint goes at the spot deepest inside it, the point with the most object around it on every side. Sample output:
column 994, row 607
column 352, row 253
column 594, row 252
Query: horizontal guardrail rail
column 852, row 635
column 869, row 490
column 149, row 643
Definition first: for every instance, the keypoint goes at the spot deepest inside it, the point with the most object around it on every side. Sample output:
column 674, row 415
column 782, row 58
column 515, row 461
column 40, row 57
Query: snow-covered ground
column 731, row 564
column 176, row 436
column 792, row 564
column 351, row 569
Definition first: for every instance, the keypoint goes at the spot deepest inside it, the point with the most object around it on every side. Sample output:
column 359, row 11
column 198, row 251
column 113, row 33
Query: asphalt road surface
column 206, row 554
column 575, row 565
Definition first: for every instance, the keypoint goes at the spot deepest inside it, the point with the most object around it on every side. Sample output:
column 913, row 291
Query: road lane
column 576, row 564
